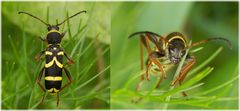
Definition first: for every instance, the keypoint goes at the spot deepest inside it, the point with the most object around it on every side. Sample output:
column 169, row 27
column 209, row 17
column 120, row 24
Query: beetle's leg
column 140, row 83
column 155, row 55
column 159, row 81
column 148, row 64
column 70, row 61
column 184, row 71
column 145, row 41
column 57, row 99
column 62, row 34
column 42, row 39
column 137, row 99
column 151, row 57
column 141, row 54
column 69, row 79
column 37, row 57
column 158, row 64
column 39, row 83
column 64, row 86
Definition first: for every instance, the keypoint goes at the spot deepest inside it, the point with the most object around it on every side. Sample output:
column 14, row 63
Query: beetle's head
column 176, row 51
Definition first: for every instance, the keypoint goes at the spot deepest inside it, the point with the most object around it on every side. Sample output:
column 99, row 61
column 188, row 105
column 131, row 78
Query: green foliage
column 87, row 45
column 212, row 82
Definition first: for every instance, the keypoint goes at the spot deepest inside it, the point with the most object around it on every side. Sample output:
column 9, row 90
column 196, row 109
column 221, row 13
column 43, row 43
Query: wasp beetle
column 167, row 52
column 54, row 59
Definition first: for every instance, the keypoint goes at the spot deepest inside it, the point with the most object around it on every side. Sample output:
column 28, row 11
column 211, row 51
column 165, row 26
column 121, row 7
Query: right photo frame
column 174, row 55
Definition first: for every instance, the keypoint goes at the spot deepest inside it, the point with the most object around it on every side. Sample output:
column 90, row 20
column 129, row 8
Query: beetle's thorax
column 53, row 35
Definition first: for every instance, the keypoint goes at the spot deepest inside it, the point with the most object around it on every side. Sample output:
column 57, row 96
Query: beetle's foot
column 70, row 62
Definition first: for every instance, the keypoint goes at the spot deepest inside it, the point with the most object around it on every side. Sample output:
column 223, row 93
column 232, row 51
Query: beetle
column 166, row 53
column 53, row 59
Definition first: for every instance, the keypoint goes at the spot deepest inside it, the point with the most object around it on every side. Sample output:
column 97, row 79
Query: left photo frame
column 55, row 57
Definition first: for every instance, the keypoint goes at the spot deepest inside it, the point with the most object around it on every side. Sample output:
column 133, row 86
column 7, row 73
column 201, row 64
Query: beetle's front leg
column 62, row 34
column 42, row 39
column 155, row 61
column 184, row 71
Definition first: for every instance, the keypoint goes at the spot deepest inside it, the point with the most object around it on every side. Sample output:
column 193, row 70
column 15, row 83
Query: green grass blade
column 219, row 86
column 203, row 64
column 12, row 95
column 14, row 48
column 192, row 81
column 85, row 83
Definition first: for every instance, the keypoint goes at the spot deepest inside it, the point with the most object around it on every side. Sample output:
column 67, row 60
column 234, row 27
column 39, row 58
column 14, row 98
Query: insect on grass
column 54, row 53
column 166, row 53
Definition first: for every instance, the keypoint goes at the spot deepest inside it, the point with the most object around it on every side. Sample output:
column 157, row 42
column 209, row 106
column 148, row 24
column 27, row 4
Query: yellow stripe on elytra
column 52, row 78
column 178, row 37
column 60, row 53
column 53, row 31
column 48, row 53
column 53, row 90
column 60, row 65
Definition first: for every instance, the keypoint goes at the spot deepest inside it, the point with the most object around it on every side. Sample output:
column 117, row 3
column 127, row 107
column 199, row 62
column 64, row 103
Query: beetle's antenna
column 143, row 32
column 71, row 17
column 34, row 17
column 210, row 39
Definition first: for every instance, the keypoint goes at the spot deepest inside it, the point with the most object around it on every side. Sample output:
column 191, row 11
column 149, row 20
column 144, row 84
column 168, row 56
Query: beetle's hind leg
column 184, row 71
column 57, row 99
column 39, row 83
column 69, row 77
column 64, row 86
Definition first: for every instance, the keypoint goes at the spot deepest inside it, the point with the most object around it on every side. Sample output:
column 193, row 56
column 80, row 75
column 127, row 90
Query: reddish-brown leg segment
column 39, row 83
column 159, row 81
column 141, row 54
column 69, row 77
column 57, row 99
column 147, row 69
column 183, row 73
column 145, row 42
column 141, row 63
column 70, row 61
column 151, row 58
column 140, row 83
column 64, row 86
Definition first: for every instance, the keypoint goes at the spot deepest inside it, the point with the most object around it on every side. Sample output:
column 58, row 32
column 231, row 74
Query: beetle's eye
column 49, row 28
column 171, row 50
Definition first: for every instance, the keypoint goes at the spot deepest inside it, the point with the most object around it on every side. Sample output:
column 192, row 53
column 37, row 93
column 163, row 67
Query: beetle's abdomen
column 53, row 69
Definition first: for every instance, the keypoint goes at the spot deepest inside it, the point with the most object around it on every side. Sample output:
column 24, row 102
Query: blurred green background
column 87, row 41
column 197, row 21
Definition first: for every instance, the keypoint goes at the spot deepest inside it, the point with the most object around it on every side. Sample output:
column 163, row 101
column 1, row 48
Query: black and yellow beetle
column 166, row 53
column 54, row 59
